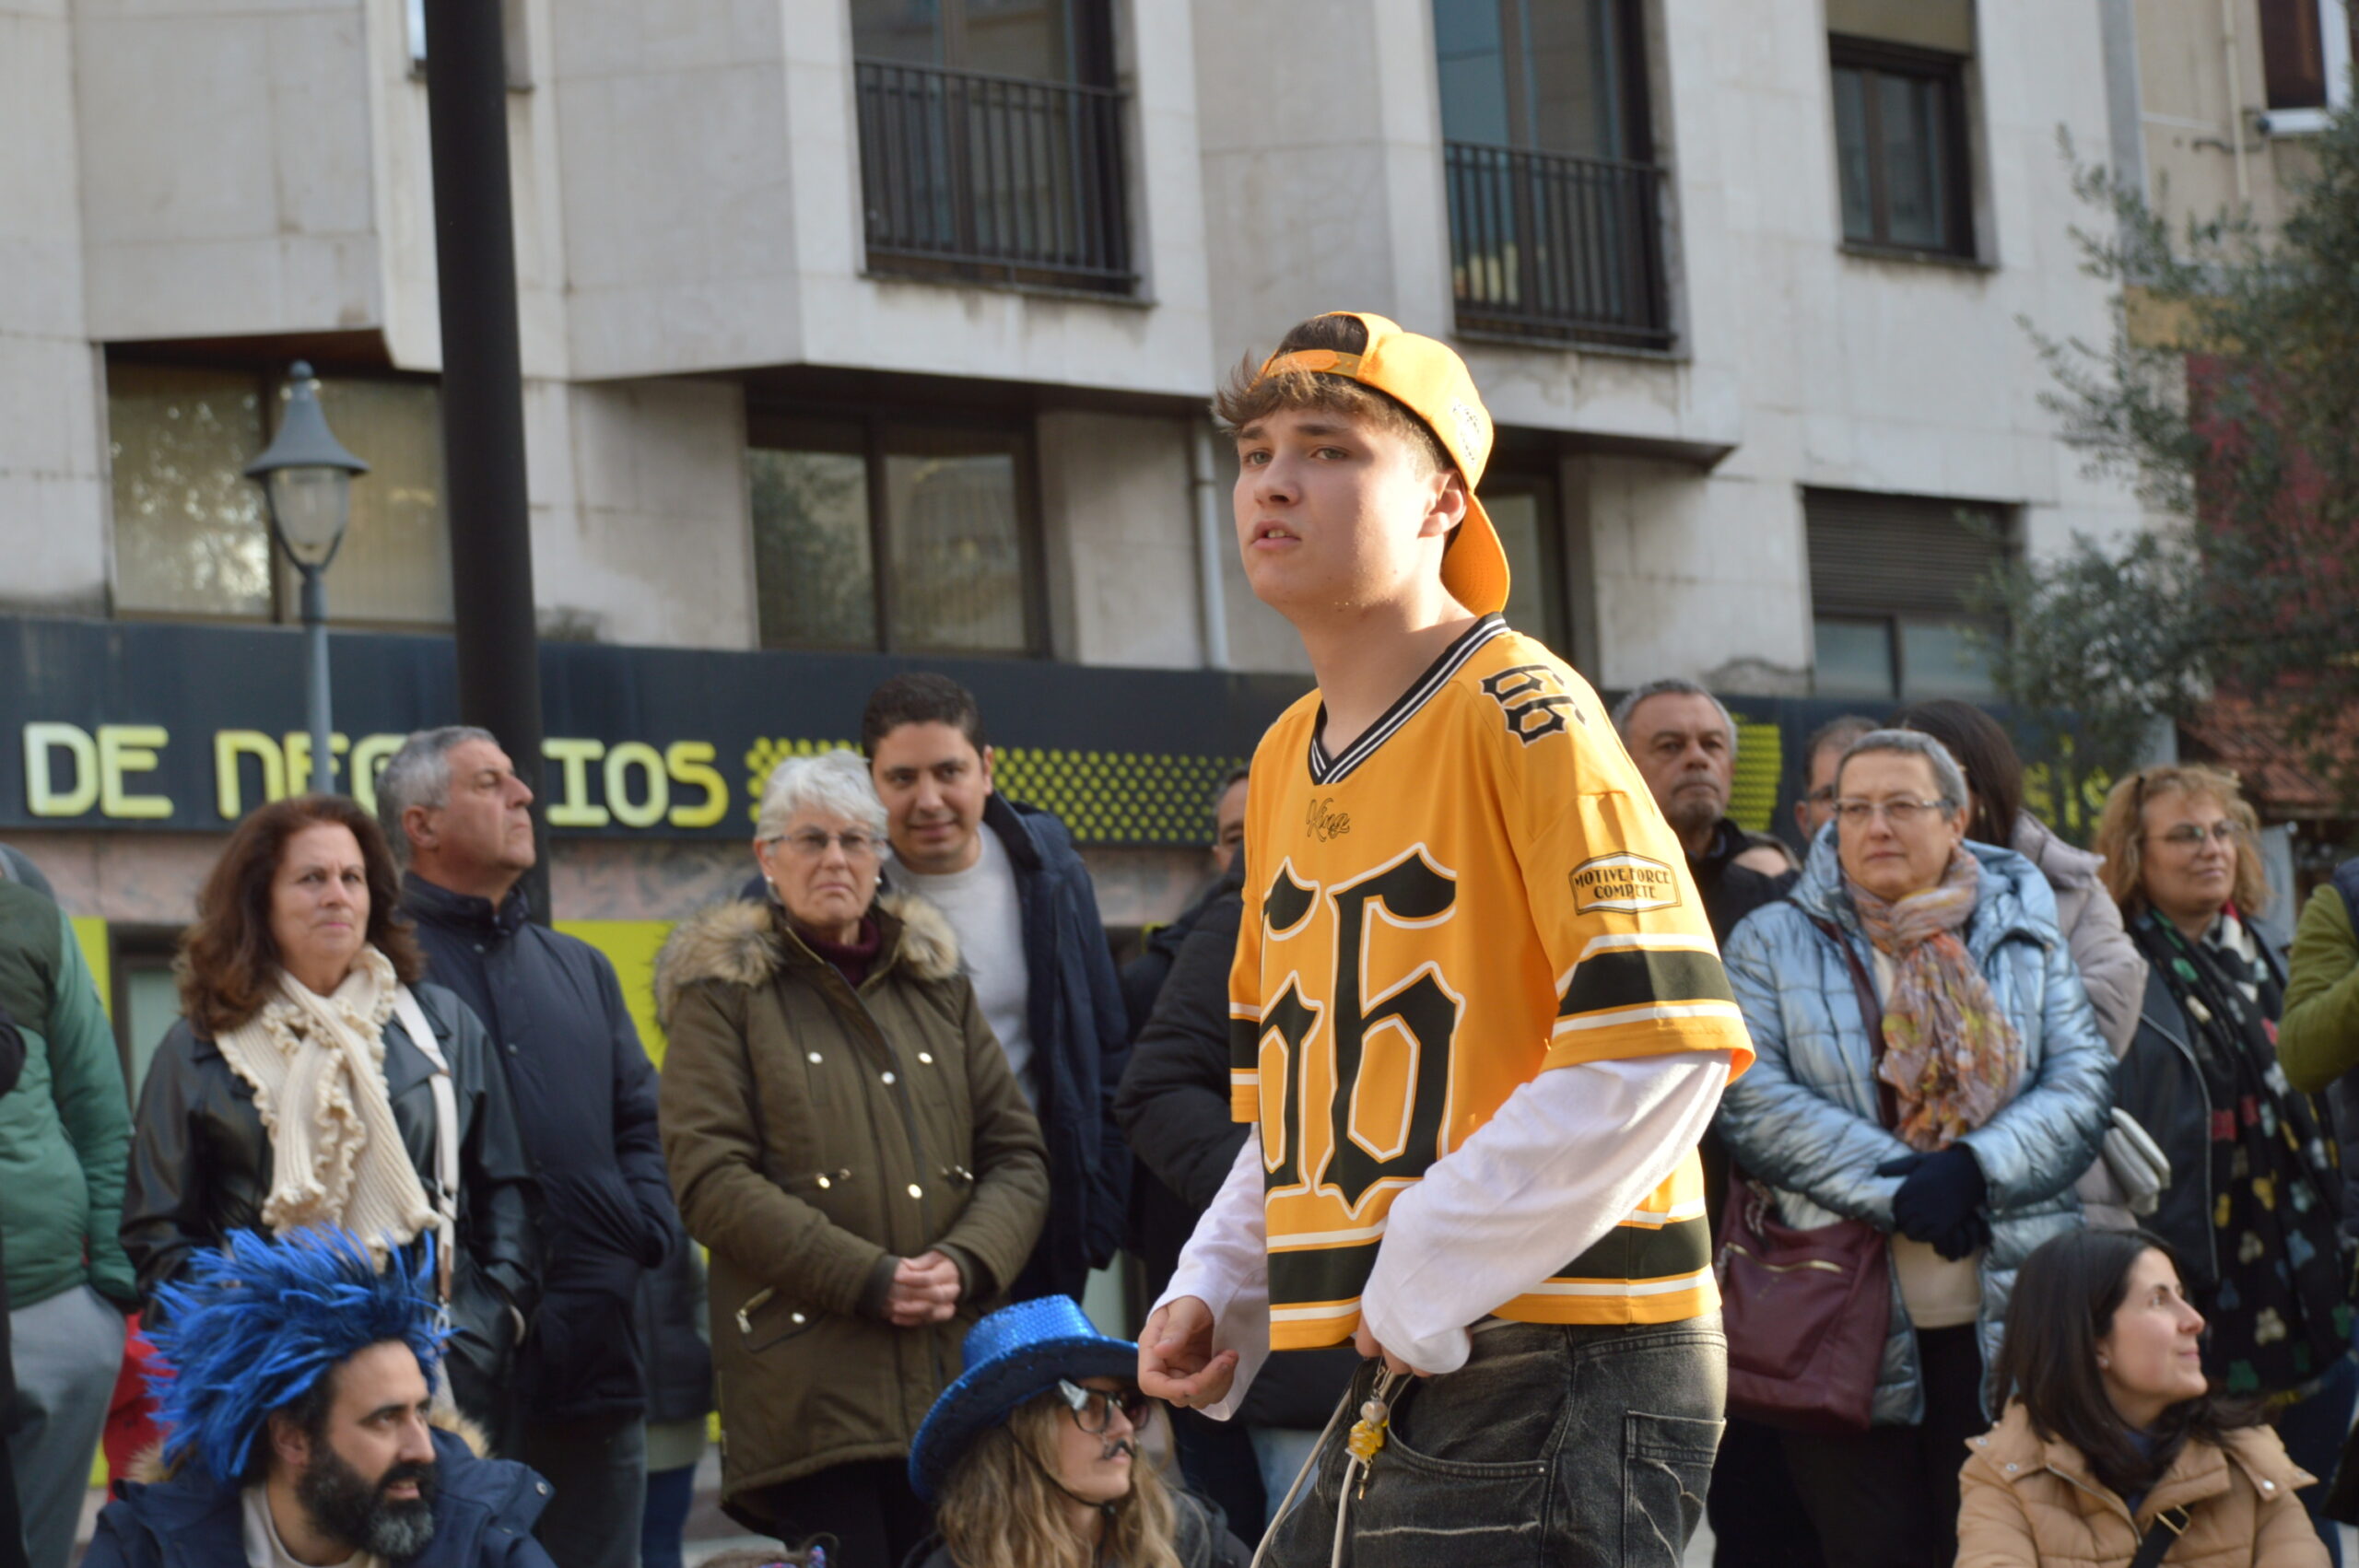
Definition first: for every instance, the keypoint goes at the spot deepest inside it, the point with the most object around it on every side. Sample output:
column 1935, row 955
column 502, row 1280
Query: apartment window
column 2306, row 47
column 192, row 538
column 1523, row 508
column 991, row 142
column 1901, row 149
column 901, row 537
column 1554, row 202
column 1889, row 577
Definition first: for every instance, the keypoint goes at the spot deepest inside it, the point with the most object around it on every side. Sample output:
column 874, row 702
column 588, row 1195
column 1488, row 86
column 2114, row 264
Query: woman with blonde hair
column 2251, row 1209
column 1032, row 1459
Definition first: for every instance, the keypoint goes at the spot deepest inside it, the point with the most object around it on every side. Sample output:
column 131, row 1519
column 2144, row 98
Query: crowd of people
column 413, row 1256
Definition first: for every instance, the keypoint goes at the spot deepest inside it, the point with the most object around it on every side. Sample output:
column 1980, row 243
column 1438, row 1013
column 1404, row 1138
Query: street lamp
column 306, row 478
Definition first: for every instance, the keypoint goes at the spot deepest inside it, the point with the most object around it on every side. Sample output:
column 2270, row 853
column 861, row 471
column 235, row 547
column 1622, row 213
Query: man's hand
column 925, row 1290
column 1176, row 1360
column 1365, row 1342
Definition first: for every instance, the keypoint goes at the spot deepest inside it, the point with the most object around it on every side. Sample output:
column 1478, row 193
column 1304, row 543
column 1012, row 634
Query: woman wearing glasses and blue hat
column 1032, row 1459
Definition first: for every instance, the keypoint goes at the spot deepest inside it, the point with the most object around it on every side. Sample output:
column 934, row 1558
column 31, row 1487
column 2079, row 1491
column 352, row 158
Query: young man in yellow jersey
column 1478, row 1017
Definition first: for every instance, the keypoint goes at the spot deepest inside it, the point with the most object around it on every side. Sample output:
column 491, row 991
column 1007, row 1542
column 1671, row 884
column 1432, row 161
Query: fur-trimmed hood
column 742, row 944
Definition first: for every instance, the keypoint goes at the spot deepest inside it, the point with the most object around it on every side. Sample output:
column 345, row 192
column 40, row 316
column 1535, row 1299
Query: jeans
column 1569, row 1446
column 1888, row 1497
column 597, row 1476
column 670, row 1495
column 67, row 1352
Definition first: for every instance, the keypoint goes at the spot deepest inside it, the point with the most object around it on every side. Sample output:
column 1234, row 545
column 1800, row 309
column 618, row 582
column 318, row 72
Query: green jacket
column 816, row 1134
column 2317, row 1039
column 66, row 1129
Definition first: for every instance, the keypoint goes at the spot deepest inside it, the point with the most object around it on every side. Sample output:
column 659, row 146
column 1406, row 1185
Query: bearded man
column 302, row 1426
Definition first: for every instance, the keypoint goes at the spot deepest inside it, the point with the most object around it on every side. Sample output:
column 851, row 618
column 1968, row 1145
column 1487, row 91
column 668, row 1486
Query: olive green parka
column 817, row 1135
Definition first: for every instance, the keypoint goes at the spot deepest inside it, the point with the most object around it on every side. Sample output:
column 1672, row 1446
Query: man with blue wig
column 300, row 1426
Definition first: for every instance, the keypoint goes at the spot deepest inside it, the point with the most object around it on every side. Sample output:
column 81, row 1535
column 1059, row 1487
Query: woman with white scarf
column 310, row 1081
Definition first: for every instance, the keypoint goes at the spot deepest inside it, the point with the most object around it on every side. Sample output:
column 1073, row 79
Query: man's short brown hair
column 1251, row 396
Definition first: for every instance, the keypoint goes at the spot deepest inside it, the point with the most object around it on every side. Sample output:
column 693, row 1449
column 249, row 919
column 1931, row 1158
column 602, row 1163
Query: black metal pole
column 483, row 392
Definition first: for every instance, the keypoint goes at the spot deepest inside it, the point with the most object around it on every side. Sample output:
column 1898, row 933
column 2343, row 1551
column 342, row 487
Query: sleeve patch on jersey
column 1638, row 977
column 1624, row 884
column 1533, row 701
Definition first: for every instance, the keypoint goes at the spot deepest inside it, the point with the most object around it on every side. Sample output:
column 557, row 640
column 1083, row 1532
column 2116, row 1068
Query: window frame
column 269, row 376
column 1555, row 598
column 876, row 423
column 1876, row 59
column 1090, row 37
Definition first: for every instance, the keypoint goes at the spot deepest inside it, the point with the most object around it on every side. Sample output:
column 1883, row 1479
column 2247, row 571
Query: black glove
column 1939, row 1199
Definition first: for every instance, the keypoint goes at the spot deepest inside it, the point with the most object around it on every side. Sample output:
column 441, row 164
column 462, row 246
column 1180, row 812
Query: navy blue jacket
column 1080, row 1041
column 484, row 1511
column 584, row 1095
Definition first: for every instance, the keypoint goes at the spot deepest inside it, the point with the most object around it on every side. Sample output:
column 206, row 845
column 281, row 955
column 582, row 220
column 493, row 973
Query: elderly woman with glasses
column 1929, row 1065
column 846, row 1138
column 2253, row 1207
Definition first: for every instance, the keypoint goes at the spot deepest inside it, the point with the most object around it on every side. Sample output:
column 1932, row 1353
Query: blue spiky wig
column 253, row 1327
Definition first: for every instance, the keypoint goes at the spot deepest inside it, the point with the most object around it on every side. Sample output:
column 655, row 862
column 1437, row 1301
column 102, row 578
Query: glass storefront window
column 190, row 534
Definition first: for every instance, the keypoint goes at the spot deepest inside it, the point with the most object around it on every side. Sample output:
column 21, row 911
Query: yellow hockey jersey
column 1478, row 889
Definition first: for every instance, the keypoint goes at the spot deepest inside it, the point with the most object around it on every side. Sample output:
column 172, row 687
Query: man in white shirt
column 299, row 1429
column 1025, row 913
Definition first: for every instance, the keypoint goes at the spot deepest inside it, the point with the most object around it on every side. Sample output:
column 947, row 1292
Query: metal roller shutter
column 1878, row 555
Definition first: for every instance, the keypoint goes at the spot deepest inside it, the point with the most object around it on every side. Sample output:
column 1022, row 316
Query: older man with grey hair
column 461, row 817
column 1683, row 740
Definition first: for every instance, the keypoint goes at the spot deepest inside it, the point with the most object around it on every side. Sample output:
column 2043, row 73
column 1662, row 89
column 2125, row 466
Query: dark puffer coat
column 817, row 1134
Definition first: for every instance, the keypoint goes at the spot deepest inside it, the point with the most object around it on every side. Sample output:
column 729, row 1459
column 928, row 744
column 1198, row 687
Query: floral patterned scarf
column 1951, row 1055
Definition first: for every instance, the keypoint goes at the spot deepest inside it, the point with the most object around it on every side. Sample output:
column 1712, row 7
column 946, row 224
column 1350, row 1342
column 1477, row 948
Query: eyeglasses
column 1093, row 1407
column 810, row 844
column 1902, row 813
column 2191, row 835
column 1822, row 796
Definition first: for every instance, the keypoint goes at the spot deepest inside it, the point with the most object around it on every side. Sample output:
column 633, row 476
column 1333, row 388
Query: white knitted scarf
column 317, row 1066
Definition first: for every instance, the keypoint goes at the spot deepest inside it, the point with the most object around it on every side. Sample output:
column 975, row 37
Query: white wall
column 1118, row 523
column 53, row 485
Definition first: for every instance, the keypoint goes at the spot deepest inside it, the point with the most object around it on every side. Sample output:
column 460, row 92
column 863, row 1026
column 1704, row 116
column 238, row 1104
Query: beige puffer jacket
column 816, row 1134
column 2025, row 1500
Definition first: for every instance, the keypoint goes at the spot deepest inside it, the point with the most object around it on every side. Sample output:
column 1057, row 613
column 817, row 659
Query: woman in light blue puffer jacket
column 1960, row 942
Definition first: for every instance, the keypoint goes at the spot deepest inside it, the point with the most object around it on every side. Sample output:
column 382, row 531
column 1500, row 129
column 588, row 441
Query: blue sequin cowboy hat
column 1012, row 1356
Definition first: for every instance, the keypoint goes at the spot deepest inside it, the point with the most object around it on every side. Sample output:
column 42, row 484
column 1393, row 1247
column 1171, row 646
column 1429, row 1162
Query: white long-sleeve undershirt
column 1569, row 1155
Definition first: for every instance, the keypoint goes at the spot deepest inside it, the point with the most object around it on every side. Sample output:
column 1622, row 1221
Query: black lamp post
column 306, row 478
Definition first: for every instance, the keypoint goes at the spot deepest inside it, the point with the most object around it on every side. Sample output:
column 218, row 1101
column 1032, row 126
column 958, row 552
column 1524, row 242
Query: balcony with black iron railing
column 978, row 178
column 1556, row 248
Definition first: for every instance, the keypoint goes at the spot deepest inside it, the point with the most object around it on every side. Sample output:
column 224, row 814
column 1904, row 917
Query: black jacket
column 2161, row 1083
column 1174, row 1105
column 584, row 1095
column 1144, row 975
column 1731, row 892
column 484, row 1511
column 201, row 1167
column 1080, row 1040
column 671, row 1337
column 12, row 1549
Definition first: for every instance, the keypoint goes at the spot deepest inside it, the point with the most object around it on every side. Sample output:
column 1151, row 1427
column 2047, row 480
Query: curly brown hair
column 2121, row 833
column 229, row 960
column 1249, row 396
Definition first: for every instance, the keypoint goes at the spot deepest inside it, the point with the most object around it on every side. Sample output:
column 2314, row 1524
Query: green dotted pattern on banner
column 1760, row 763
column 1155, row 798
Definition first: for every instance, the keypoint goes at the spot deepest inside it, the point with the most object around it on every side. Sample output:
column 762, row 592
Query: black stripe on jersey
column 1321, row 1273
column 1635, row 977
column 1636, row 1252
column 1245, row 1045
column 1436, row 675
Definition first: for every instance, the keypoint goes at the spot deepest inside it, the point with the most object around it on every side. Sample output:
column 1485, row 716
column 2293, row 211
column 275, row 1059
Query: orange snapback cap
column 1428, row 379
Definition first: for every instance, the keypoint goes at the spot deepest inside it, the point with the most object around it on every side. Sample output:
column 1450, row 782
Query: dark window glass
column 1852, row 658
column 2293, row 53
column 1542, row 75
column 1890, row 578
column 911, row 538
column 191, row 535
column 1523, row 509
column 1031, row 38
column 1900, row 148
